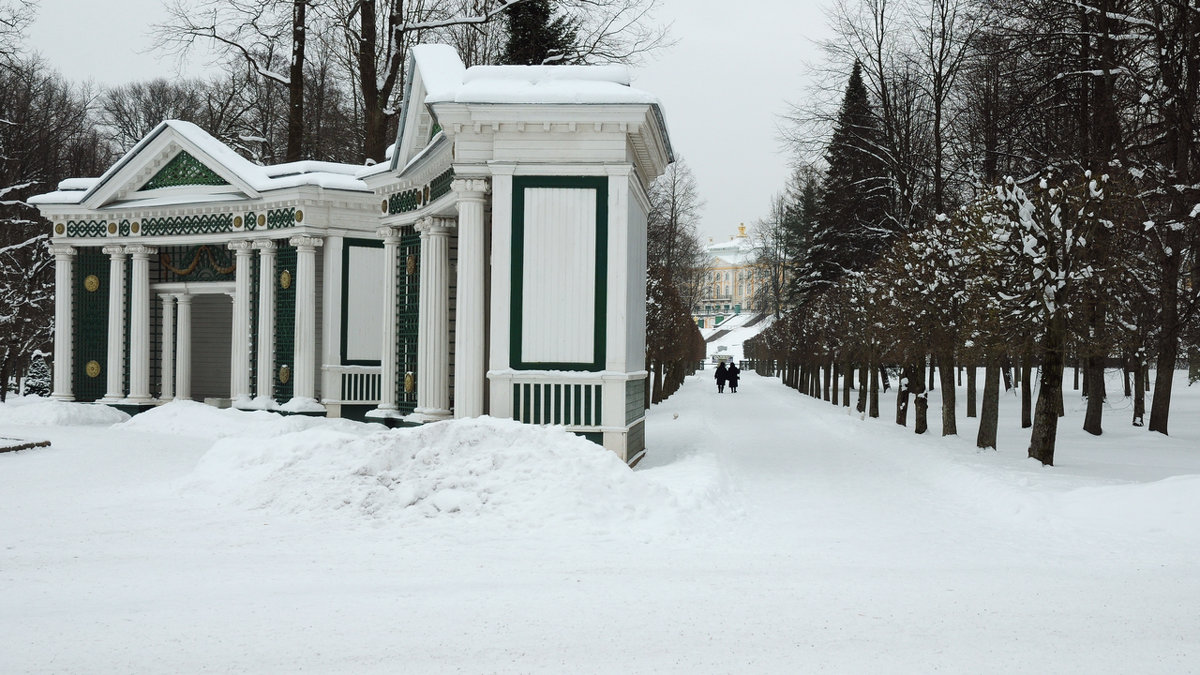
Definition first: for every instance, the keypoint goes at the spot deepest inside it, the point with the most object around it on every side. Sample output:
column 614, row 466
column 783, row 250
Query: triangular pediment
column 431, row 68
column 177, row 159
column 184, row 169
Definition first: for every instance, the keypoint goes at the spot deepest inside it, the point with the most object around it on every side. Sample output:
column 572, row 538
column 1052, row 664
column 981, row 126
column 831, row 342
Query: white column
column 139, row 323
column 239, row 366
column 433, row 333
column 64, row 258
column 168, row 346
column 304, row 369
column 116, row 324
column 266, row 318
column 389, row 362
column 469, row 336
column 183, row 349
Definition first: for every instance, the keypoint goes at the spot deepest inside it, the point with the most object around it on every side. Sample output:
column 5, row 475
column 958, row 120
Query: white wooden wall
column 559, row 276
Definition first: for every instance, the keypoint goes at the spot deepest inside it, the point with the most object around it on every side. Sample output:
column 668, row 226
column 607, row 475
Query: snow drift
column 488, row 471
column 44, row 412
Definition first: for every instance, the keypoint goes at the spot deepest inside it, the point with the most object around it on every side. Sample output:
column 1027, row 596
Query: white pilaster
column 183, row 349
column 304, row 370
column 168, row 347
column 266, row 318
column 470, row 336
column 500, row 401
column 433, row 337
column 389, row 361
column 116, row 324
column 239, row 366
column 139, row 323
column 64, row 258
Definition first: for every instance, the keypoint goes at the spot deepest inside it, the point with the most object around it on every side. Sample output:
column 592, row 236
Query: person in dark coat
column 721, row 376
column 731, row 377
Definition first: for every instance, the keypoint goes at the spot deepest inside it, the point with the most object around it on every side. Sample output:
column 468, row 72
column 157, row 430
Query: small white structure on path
column 495, row 265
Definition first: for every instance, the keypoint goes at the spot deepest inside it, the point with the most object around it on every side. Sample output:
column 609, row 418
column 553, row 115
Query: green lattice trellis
column 408, row 295
column 89, row 324
column 285, row 320
column 278, row 219
column 209, row 223
column 254, row 267
column 184, row 169
column 87, row 228
column 441, row 185
column 403, row 202
column 196, row 263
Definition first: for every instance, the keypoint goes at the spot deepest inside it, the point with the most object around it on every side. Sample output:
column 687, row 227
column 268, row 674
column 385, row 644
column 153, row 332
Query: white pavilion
column 495, row 264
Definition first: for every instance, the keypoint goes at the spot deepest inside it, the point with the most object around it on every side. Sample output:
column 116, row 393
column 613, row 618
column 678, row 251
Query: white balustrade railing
column 353, row 384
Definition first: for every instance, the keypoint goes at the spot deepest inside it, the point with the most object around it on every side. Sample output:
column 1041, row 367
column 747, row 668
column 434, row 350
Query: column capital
column 61, row 250
column 114, row 251
column 389, row 235
column 183, row 298
column 436, row 226
column 167, row 297
column 306, row 242
column 264, row 244
column 470, row 189
column 140, row 250
column 242, row 247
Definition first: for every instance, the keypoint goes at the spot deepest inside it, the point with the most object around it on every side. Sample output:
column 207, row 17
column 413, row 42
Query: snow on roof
column 441, row 69
column 543, row 84
column 330, row 175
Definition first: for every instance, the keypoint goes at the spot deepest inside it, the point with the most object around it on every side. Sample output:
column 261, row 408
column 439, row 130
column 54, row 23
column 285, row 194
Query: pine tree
column 536, row 36
column 851, row 226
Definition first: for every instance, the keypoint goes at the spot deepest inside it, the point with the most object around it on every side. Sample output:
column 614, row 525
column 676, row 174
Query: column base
column 302, row 406
column 62, row 397
column 426, row 415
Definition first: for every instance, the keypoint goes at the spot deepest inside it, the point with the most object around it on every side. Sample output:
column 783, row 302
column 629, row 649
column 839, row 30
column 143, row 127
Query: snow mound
column 191, row 418
column 485, row 470
column 44, row 412
column 1169, row 505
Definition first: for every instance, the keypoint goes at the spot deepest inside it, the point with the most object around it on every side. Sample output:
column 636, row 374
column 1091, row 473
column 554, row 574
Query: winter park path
column 765, row 532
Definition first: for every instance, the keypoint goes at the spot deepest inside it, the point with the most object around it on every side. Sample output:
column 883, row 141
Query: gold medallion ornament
column 91, row 283
column 92, row 369
column 382, row 207
column 299, row 215
column 262, row 220
column 60, row 229
column 410, row 266
column 410, row 382
column 285, row 280
column 237, row 222
column 285, row 374
column 112, row 228
column 135, row 227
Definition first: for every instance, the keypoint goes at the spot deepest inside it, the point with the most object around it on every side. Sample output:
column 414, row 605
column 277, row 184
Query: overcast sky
column 723, row 85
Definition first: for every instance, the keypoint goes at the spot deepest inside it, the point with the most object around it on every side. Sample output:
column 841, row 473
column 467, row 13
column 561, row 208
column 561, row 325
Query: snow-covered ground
column 764, row 532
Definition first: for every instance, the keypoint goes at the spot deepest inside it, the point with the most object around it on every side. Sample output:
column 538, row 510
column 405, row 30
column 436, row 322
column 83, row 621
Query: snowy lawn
column 765, row 532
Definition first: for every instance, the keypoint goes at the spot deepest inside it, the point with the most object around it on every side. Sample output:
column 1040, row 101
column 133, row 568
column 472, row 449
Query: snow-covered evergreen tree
column 537, row 37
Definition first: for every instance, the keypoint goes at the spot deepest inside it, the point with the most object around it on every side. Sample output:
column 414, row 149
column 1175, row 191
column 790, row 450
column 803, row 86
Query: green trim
column 89, row 325
column 211, row 223
column 87, row 228
column 520, row 184
column 285, row 322
column 184, row 169
column 347, row 244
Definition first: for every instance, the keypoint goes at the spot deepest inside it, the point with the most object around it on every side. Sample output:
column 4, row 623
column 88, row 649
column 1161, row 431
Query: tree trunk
column 874, row 409
column 1076, row 373
column 1045, row 419
column 1126, row 373
column 847, row 380
column 295, row 119
column 825, row 377
column 1006, row 373
column 932, row 372
column 949, row 414
column 972, row 376
column 1168, row 346
column 862, row 390
column 990, row 414
column 1139, row 394
column 921, row 412
column 1095, row 401
column 833, row 391
column 658, row 383
column 883, row 375
column 902, row 392
column 1026, row 394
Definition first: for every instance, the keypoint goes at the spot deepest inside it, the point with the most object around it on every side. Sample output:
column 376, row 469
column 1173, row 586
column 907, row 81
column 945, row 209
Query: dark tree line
column 1011, row 184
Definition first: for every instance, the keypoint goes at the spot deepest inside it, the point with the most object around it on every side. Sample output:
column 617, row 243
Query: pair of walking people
column 727, row 376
